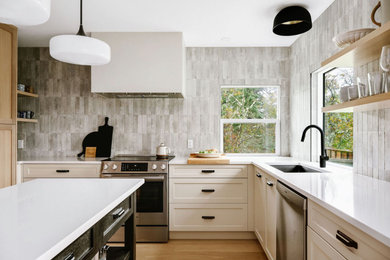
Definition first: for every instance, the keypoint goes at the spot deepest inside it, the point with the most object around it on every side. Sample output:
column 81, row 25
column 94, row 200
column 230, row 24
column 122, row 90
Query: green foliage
column 249, row 103
column 249, row 138
column 338, row 126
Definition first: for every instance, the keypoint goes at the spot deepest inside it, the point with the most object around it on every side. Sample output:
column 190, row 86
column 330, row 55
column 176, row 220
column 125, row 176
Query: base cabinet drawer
column 319, row 249
column 61, row 171
column 208, row 191
column 79, row 249
column 343, row 237
column 208, row 217
column 208, row 171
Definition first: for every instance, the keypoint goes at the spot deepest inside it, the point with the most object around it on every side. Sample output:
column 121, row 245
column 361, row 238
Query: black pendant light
column 292, row 20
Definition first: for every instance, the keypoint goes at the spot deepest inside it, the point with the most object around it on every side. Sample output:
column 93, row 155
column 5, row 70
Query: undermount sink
column 294, row 168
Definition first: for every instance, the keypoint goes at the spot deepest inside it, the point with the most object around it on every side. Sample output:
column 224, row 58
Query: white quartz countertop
column 360, row 200
column 71, row 160
column 40, row 218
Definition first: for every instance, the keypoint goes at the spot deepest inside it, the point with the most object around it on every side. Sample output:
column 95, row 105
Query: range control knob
column 163, row 166
column 114, row 166
column 154, row 167
column 105, row 166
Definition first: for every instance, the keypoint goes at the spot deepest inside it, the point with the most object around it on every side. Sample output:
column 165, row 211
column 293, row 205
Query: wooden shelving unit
column 372, row 101
column 27, row 94
column 27, row 120
column 362, row 51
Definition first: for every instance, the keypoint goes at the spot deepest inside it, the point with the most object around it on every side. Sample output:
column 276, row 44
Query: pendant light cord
column 81, row 29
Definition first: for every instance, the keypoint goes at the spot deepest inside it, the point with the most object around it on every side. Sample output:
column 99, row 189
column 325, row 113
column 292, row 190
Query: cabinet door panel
column 271, row 217
column 7, row 155
column 260, row 204
column 8, row 52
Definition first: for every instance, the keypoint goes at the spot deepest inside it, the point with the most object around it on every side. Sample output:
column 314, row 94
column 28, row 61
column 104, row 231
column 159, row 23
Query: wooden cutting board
column 193, row 159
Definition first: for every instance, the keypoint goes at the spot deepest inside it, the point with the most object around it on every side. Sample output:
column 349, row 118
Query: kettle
column 162, row 152
column 385, row 8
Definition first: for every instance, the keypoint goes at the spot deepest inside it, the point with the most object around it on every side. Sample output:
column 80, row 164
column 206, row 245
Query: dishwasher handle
column 291, row 196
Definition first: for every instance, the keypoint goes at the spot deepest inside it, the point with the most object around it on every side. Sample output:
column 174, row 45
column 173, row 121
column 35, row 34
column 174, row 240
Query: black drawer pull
column 346, row 240
column 70, row 257
column 117, row 213
column 259, row 175
column 208, row 217
column 270, row 183
column 62, row 171
column 208, row 190
column 208, row 171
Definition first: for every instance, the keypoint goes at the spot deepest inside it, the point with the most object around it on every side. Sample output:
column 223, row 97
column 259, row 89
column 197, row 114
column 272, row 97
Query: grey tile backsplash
column 67, row 110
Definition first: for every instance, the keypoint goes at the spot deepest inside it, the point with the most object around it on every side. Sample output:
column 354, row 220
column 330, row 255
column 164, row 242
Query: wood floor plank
column 201, row 249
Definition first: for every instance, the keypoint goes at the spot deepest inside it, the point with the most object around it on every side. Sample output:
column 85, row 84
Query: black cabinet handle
column 62, row 171
column 270, row 183
column 259, row 175
column 208, row 190
column 117, row 213
column 346, row 240
column 208, row 171
column 70, row 257
column 208, row 217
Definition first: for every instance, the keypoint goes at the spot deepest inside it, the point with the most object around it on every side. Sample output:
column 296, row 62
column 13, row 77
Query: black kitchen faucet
column 323, row 156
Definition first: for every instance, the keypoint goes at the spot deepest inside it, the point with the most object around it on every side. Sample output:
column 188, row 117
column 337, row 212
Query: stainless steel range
column 152, row 197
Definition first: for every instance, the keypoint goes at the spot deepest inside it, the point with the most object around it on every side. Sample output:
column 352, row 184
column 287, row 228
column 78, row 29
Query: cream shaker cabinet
column 265, row 212
column 32, row 171
column 319, row 249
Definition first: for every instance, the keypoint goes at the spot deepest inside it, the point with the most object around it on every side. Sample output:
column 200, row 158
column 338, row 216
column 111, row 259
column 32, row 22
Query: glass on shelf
column 384, row 62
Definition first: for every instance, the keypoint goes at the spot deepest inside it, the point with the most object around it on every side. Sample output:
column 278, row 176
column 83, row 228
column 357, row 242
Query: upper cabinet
column 142, row 64
column 8, row 70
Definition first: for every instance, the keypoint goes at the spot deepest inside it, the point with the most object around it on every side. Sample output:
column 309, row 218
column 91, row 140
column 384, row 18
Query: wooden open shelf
column 377, row 101
column 26, row 120
column 362, row 51
column 27, row 94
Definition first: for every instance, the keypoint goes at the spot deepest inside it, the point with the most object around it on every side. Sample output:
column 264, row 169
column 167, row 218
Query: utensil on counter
column 162, row 151
column 102, row 140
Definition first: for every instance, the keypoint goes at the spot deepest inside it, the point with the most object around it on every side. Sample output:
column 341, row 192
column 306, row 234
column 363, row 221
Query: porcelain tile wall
column 67, row 111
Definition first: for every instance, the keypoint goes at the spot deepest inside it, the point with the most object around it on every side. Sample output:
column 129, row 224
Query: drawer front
column 61, row 171
column 208, row 191
column 208, row 217
column 79, row 248
column 116, row 217
column 343, row 236
column 319, row 249
column 208, row 171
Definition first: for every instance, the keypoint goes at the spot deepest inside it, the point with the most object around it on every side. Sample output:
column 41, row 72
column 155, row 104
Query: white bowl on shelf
column 347, row 38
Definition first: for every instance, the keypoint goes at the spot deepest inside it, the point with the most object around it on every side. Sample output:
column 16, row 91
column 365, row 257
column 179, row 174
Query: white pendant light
column 24, row 12
column 80, row 49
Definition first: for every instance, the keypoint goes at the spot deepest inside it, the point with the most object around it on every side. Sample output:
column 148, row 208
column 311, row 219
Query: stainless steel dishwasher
column 290, row 224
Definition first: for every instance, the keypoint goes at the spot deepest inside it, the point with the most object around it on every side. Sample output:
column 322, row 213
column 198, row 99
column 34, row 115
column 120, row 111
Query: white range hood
column 142, row 65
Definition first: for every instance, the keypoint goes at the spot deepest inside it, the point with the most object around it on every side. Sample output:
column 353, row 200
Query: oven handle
column 154, row 179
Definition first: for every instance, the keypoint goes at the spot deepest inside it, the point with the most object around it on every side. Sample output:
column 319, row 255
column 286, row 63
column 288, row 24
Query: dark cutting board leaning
column 102, row 140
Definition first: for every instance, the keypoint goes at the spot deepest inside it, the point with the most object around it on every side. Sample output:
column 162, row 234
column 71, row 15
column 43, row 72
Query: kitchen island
column 66, row 218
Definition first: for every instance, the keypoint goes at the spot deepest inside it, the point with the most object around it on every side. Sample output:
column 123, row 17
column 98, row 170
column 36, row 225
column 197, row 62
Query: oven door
column 152, row 198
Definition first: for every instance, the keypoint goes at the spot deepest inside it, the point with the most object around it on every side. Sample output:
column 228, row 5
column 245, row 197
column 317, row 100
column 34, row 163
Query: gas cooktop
column 134, row 158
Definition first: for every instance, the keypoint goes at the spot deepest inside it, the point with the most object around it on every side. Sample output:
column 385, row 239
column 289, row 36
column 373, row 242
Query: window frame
column 317, row 97
column 276, row 121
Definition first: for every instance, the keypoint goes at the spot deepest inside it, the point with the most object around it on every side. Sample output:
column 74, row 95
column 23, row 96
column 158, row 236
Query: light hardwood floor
column 201, row 249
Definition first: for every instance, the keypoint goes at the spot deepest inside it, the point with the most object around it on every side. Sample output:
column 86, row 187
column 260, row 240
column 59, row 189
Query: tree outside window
column 338, row 126
column 250, row 119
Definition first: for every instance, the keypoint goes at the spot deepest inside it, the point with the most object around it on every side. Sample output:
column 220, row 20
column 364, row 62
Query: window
column 250, row 119
column 338, row 127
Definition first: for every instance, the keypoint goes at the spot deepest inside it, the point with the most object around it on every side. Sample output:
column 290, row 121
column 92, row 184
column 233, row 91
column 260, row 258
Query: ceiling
column 219, row 23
